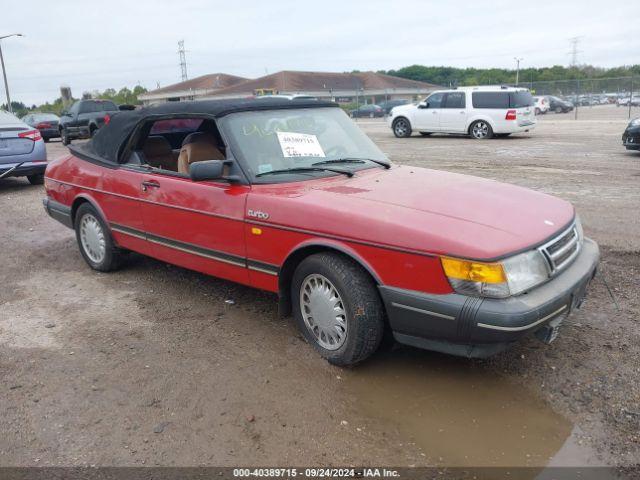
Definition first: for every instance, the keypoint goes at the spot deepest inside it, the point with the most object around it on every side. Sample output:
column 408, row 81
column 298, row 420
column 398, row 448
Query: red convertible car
column 291, row 197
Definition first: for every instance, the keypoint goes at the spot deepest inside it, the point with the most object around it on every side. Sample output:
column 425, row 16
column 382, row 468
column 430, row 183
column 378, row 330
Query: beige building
column 363, row 87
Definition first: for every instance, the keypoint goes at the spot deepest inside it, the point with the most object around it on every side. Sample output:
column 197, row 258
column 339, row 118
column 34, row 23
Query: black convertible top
column 105, row 146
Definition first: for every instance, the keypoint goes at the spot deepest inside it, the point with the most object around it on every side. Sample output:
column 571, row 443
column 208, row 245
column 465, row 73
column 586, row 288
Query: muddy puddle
column 460, row 414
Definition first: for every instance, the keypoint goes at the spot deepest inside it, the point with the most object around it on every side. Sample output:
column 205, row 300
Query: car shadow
column 14, row 184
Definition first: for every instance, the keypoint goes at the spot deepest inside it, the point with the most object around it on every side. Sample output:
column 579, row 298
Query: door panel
column 197, row 225
column 427, row 119
column 453, row 115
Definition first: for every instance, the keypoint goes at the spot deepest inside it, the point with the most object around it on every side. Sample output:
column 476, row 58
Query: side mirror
column 206, row 170
column 423, row 105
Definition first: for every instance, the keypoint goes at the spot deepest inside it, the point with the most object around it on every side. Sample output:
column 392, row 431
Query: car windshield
column 277, row 140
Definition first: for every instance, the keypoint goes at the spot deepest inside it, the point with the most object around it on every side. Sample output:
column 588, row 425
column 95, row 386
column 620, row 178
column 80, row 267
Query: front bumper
column 631, row 138
column 479, row 327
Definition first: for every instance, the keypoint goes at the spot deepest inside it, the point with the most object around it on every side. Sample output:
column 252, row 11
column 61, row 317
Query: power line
column 574, row 50
column 183, row 60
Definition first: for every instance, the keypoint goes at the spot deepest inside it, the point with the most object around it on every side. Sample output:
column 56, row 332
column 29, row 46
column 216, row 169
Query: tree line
column 452, row 76
column 123, row 96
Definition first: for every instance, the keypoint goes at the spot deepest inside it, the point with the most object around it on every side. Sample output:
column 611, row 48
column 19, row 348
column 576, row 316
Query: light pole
column 518, row 60
column 4, row 72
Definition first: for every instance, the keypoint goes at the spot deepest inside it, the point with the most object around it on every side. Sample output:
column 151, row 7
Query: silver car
column 22, row 150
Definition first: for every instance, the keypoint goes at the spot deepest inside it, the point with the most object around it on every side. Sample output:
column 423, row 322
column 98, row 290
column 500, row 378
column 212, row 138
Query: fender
column 335, row 245
column 288, row 267
column 86, row 196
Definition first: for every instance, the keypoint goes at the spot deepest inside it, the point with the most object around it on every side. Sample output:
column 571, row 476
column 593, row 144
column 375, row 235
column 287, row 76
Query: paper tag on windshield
column 299, row 145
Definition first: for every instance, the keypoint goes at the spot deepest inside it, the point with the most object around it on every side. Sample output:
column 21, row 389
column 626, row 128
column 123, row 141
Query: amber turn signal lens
column 256, row 231
column 473, row 271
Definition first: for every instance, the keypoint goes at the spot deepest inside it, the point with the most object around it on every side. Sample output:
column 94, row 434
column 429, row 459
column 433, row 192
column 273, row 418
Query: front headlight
column 497, row 279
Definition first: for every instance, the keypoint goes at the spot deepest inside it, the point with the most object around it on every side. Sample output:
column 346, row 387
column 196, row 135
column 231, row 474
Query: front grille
column 560, row 251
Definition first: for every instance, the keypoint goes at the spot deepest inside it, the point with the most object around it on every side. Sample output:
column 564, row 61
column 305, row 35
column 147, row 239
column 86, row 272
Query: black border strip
column 263, row 267
column 58, row 211
column 216, row 255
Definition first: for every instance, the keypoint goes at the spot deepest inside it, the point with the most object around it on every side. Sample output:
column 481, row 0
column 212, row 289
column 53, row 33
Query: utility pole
column 518, row 60
column 574, row 50
column 183, row 60
column 4, row 72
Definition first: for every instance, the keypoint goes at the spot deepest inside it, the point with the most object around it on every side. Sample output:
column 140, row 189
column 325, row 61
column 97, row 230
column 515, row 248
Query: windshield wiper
column 352, row 160
column 305, row 169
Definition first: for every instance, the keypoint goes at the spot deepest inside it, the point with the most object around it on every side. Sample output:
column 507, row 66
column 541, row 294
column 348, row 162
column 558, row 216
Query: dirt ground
column 156, row 365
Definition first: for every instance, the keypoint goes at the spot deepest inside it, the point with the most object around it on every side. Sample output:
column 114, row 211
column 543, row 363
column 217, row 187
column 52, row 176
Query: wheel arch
column 85, row 198
column 484, row 118
column 304, row 250
column 401, row 116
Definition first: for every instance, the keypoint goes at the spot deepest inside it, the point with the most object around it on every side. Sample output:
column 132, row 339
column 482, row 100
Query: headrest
column 200, row 137
column 156, row 146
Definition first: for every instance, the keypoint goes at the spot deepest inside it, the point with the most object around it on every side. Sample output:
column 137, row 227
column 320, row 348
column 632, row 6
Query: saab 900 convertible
column 291, row 197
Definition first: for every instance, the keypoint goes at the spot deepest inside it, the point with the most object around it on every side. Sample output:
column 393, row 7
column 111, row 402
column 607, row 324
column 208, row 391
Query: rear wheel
column 401, row 127
column 92, row 131
column 480, row 130
column 37, row 179
column 337, row 308
column 94, row 239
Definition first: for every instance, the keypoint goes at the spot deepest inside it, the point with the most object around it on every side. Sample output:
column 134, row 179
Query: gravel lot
column 152, row 366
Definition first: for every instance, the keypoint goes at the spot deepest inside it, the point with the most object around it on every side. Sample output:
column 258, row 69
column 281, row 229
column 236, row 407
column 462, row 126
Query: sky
column 97, row 45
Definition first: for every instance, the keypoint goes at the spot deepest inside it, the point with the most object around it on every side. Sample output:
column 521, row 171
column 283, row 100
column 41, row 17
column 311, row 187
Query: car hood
column 420, row 210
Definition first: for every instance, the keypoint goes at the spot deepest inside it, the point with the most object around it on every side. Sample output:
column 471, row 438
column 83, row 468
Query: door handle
column 149, row 184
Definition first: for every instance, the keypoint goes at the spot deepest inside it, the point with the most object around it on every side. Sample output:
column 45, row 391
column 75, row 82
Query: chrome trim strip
column 262, row 270
column 420, row 310
column 195, row 252
column 127, row 232
column 524, row 327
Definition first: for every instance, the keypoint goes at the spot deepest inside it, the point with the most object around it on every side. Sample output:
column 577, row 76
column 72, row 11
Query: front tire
column 401, row 127
column 559, row 110
column 64, row 136
column 94, row 239
column 337, row 308
column 480, row 130
column 37, row 179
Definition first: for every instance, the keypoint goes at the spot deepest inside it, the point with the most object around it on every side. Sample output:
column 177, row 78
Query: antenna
column 574, row 50
column 183, row 60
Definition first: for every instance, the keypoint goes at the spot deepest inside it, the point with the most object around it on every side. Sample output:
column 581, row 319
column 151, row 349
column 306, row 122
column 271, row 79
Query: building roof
column 213, row 81
column 294, row 81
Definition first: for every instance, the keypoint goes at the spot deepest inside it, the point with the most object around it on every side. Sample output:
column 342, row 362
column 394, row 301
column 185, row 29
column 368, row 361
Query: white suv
column 481, row 112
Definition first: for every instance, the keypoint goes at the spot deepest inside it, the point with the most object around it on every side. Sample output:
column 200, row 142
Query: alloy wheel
column 480, row 130
column 401, row 128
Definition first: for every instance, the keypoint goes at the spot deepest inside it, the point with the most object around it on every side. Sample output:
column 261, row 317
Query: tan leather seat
column 197, row 147
column 157, row 152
